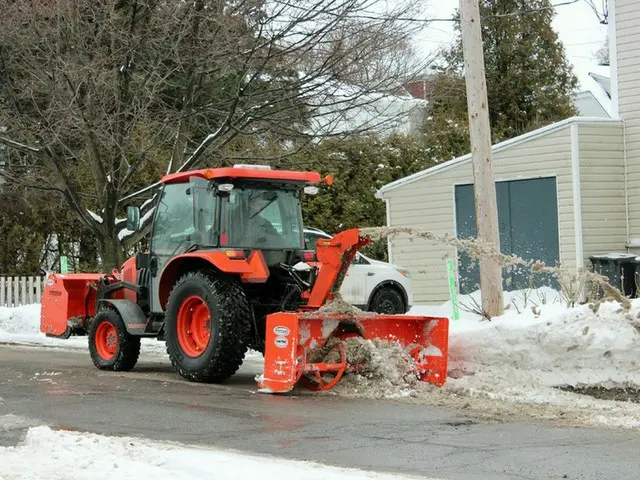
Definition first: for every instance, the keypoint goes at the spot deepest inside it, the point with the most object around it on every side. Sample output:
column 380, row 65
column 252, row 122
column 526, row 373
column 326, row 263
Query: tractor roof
column 245, row 172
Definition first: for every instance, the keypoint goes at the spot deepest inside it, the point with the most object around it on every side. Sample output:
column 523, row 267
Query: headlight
column 404, row 272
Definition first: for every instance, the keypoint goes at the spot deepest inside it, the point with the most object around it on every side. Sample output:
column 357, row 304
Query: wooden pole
column 482, row 156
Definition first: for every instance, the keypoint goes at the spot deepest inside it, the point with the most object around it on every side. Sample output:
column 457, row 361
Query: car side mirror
column 133, row 218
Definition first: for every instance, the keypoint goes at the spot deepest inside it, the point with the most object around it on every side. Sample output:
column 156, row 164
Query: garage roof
column 554, row 127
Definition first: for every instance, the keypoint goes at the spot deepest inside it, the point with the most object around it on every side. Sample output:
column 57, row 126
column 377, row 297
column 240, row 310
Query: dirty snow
column 336, row 306
column 513, row 364
column 384, row 369
column 49, row 454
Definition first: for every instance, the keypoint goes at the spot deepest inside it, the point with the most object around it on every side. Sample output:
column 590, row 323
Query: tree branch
column 19, row 146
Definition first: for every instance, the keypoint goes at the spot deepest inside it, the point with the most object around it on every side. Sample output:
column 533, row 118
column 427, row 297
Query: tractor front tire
column 110, row 345
column 207, row 326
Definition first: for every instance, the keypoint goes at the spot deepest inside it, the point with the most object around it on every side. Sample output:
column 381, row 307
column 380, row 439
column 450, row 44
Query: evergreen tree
column 360, row 166
column 530, row 82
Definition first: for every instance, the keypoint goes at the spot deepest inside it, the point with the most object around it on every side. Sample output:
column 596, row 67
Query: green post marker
column 64, row 264
column 453, row 291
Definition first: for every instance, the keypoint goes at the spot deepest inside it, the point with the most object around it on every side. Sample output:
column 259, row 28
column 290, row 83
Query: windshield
column 263, row 218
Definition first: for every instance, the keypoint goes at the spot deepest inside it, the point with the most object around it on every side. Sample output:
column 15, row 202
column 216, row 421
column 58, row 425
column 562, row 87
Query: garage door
column 528, row 223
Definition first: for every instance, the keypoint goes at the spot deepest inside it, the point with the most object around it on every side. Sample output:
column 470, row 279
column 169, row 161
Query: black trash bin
column 620, row 269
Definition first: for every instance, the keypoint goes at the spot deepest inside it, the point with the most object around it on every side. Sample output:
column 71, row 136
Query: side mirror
column 133, row 218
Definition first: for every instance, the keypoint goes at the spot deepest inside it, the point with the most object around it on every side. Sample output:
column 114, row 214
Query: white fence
column 16, row 291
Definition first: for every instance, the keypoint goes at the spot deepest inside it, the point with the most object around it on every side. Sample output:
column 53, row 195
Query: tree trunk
column 111, row 252
column 88, row 253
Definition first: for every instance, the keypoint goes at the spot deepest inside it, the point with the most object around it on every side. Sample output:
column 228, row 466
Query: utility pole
column 481, row 156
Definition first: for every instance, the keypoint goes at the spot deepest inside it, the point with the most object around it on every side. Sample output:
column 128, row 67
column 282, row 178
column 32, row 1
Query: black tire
column 127, row 352
column 230, row 317
column 388, row 300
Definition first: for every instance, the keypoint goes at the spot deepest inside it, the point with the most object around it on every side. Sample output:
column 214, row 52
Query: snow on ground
column 49, row 454
column 510, row 364
column 21, row 326
column 540, row 343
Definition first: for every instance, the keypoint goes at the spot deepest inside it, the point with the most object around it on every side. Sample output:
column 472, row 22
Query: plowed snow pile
column 384, row 369
column 513, row 364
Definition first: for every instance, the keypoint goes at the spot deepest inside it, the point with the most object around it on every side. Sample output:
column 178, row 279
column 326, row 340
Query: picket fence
column 16, row 291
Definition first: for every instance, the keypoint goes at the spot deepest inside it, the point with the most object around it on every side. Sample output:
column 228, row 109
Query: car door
column 354, row 285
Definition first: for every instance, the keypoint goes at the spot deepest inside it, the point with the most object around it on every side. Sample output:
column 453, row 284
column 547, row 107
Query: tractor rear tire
column 110, row 345
column 207, row 324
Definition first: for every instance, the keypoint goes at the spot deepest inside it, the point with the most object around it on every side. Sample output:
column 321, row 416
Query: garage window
column 528, row 224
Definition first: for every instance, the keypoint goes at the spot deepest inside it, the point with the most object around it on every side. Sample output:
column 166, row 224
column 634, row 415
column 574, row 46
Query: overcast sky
column 577, row 25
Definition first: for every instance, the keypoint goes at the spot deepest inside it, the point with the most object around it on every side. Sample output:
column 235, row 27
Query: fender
column 250, row 270
column 132, row 315
column 389, row 283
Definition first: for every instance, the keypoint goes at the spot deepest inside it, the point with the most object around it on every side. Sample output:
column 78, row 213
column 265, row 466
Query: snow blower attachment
column 230, row 273
column 294, row 339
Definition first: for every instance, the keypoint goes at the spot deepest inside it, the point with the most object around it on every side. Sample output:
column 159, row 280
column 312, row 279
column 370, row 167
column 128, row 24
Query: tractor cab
column 238, row 211
column 237, row 208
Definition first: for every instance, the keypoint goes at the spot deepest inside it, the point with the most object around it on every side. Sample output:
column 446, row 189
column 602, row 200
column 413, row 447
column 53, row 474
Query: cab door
column 172, row 232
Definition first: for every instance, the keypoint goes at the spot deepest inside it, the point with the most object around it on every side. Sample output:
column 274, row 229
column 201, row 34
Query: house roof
column 596, row 81
column 554, row 127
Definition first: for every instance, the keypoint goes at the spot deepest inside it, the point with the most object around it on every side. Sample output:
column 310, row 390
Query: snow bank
column 50, row 454
column 539, row 333
column 21, row 326
column 540, row 344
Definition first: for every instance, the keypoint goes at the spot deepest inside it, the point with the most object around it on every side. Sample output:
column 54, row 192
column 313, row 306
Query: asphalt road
column 391, row 436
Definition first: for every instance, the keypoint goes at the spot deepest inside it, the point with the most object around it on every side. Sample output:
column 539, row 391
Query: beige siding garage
column 626, row 75
column 426, row 200
column 604, row 226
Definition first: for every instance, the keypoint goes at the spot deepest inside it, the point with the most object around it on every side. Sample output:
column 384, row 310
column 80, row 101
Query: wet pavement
column 63, row 389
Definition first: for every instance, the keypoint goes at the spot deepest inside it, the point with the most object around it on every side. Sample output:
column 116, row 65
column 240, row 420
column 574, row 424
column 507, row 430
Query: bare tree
column 101, row 97
column 602, row 54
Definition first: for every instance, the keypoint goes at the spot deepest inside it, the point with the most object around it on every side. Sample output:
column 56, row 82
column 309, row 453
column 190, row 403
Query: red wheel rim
column 193, row 326
column 106, row 340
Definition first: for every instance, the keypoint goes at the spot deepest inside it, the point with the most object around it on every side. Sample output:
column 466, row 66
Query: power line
column 602, row 16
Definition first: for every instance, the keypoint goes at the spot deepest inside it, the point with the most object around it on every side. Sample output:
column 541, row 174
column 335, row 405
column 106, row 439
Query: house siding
column 627, row 17
column 428, row 203
column 604, row 227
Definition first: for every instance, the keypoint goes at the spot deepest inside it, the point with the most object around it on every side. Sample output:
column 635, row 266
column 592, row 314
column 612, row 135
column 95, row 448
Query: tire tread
column 128, row 345
column 232, row 328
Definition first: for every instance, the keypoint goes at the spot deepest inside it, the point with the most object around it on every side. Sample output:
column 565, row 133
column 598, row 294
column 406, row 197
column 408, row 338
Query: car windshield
column 263, row 218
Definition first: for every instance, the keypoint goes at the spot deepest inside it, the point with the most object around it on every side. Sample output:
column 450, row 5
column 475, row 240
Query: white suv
column 369, row 284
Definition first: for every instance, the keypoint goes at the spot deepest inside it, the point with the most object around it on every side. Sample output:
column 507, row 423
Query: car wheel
column 388, row 300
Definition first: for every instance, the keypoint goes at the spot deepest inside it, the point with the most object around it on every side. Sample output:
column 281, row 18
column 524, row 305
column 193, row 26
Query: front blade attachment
column 292, row 339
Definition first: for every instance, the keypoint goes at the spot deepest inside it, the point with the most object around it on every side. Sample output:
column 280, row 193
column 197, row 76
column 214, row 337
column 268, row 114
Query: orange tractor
column 227, row 270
